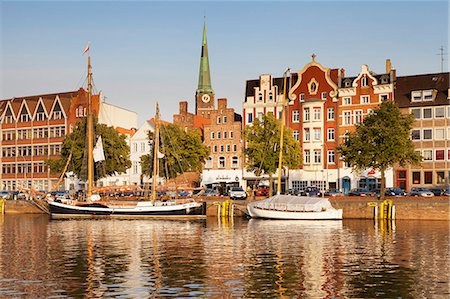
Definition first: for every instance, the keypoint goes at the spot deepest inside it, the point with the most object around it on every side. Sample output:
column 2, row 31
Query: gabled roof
column 252, row 84
column 406, row 84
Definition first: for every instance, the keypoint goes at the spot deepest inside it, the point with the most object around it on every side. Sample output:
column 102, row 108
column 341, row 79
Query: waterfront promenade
column 410, row 208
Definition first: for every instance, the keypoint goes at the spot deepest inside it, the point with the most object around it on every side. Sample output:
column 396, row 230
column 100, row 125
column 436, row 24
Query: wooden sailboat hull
column 171, row 210
column 334, row 214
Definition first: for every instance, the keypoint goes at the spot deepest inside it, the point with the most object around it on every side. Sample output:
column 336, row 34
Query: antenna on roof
column 442, row 54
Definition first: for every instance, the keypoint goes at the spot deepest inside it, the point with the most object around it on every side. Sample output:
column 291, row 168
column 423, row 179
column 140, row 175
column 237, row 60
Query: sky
column 147, row 51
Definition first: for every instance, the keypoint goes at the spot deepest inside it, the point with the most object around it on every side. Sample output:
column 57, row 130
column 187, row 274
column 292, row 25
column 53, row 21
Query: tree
column 183, row 151
column 263, row 147
column 381, row 141
column 115, row 147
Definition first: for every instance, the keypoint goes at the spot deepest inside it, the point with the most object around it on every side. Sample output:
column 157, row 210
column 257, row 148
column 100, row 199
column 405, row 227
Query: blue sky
column 146, row 51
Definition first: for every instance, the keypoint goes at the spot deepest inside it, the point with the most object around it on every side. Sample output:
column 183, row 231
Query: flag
column 86, row 49
column 99, row 154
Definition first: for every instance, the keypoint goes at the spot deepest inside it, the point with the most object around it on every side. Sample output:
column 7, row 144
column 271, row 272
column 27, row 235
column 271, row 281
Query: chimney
column 388, row 66
column 183, row 107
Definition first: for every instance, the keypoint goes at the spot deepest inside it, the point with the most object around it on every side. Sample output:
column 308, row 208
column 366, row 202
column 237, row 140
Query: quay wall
column 411, row 208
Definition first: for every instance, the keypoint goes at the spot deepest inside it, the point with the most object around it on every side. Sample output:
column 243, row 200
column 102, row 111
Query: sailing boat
column 185, row 208
column 291, row 207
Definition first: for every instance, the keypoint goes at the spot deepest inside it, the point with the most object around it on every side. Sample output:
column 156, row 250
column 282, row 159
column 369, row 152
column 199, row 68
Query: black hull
column 99, row 210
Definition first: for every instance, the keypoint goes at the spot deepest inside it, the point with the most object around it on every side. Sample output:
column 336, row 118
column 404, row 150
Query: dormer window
column 347, row 83
column 416, row 96
column 422, row 95
column 384, row 79
column 427, row 95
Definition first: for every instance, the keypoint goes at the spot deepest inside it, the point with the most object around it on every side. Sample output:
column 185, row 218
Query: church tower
column 204, row 95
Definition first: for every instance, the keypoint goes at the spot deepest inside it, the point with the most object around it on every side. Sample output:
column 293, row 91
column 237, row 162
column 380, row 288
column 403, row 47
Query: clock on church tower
column 204, row 101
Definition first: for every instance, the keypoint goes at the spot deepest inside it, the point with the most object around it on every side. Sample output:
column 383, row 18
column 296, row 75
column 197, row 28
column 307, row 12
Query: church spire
column 204, row 79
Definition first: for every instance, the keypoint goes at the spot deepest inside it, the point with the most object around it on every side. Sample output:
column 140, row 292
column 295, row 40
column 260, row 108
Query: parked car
column 359, row 192
column 333, row 192
column 437, row 191
column 312, row 191
column 294, row 192
column 4, row 194
column 424, row 192
column 237, row 193
column 394, row 192
column 208, row 192
column 262, row 191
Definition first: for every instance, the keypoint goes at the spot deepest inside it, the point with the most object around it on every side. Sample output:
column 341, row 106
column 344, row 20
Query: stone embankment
column 411, row 208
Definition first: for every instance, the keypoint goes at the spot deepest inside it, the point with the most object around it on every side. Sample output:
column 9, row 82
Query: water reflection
column 222, row 258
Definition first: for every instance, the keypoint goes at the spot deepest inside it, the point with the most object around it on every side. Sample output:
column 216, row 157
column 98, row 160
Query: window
column 427, row 134
column 347, row 117
column 228, row 148
column 142, row 147
column 439, row 134
column 234, row 147
column 270, row 96
column 212, row 135
column 330, row 113
column 57, row 115
column 306, row 114
column 317, row 113
column 219, row 120
column 416, row 177
column 416, row 113
column 365, row 100
column 317, row 134
column 364, row 82
column 225, row 135
column 440, row 155
column 235, row 162
column 383, row 97
column 296, row 135
column 427, row 95
column 427, row 113
column 135, row 146
column 218, row 135
column 440, row 177
column 347, row 101
column 317, row 157
column 231, row 134
column 331, row 156
column 427, row 155
column 324, row 95
column 307, row 157
column 222, row 162
column 302, row 97
column 40, row 116
column 295, row 116
column 428, row 175
column 208, row 163
column 221, row 148
column 215, row 149
column 415, row 134
column 260, row 115
column 330, row 134
column 439, row 112
column 358, row 116
column 250, row 118
column 24, row 117
column 416, row 96
column 260, row 97
column 224, row 119
column 307, row 136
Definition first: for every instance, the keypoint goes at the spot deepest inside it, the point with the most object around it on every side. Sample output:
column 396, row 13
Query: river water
column 42, row 258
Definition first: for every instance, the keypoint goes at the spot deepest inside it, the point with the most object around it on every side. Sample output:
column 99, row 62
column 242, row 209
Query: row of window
column 365, row 99
column 430, row 112
column 37, row 184
column 354, row 117
column 25, row 117
column 24, row 168
column 317, row 157
column 35, row 133
column 134, row 147
column 434, row 154
column 317, row 134
column 259, row 115
column 28, row 151
column 427, row 134
column 222, row 135
column 222, row 162
column 423, row 95
column 222, row 148
column 429, row 177
column 222, row 119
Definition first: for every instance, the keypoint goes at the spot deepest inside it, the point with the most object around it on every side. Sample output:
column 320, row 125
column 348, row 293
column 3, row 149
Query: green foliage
column 183, row 151
column 115, row 147
column 381, row 141
column 263, row 146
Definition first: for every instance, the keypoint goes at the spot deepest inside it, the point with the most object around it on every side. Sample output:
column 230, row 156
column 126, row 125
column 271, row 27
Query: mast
column 155, row 153
column 90, row 133
column 283, row 113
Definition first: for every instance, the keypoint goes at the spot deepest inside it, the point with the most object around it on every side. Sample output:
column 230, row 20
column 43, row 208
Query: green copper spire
column 204, row 79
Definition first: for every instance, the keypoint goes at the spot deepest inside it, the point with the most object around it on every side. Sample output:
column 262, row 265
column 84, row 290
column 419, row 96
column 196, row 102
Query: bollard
column 2, row 206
